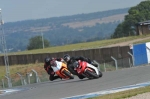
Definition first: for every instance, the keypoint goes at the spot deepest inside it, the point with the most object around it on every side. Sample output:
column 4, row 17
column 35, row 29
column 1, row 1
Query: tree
column 139, row 13
column 37, row 43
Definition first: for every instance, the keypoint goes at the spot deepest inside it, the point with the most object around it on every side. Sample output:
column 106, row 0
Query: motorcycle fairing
column 93, row 67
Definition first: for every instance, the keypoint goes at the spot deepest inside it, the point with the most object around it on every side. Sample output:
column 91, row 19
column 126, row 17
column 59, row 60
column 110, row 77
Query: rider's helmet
column 76, row 64
column 48, row 60
column 53, row 62
column 66, row 58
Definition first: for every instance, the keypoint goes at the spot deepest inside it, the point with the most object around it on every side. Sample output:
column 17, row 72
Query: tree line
column 136, row 14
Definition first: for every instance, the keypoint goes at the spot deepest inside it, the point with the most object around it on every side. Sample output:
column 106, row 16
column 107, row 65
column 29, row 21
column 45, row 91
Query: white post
column 37, row 77
column 28, row 77
column 132, row 57
column 9, row 84
column 3, row 83
column 21, row 78
column 104, row 66
column 115, row 62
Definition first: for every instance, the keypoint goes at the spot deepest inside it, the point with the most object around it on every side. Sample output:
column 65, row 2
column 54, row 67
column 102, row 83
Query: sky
column 19, row 10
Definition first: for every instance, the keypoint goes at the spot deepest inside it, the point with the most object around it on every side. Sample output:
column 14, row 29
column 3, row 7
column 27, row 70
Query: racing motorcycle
column 87, row 70
column 61, row 70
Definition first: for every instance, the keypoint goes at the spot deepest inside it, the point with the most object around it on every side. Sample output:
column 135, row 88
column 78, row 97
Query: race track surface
column 67, row 88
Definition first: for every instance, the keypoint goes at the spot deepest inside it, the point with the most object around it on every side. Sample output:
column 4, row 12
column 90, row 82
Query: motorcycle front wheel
column 100, row 74
column 68, row 74
column 92, row 74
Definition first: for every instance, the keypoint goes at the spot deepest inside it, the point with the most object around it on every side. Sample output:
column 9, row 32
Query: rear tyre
column 80, row 76
column 68, row 74
column 92, row 74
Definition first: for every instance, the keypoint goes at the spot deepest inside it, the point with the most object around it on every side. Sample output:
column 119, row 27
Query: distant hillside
column 93, row 22
column 65, row 29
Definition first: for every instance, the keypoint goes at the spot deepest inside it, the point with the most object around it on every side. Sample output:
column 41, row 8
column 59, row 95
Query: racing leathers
column 50, row 71
column 71, row 67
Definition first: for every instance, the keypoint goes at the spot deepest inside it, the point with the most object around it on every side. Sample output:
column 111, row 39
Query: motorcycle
column 61, row 70
column 87, row 70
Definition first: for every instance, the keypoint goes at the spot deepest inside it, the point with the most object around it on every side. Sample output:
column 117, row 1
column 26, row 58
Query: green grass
column 78, row 46
column 108, row 67
column 124, row 94
column 23, row 69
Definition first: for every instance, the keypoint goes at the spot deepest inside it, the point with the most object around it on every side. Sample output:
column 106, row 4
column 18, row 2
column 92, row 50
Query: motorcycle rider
column 49, row 70
column 70, row 60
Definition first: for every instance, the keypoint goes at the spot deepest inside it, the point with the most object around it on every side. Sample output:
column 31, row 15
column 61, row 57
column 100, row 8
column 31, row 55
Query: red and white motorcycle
column 87, row 70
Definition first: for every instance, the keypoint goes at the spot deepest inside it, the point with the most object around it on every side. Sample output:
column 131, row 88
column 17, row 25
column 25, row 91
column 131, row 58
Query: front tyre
column 92, row 74
column 100, row 74
column 68, row 74
column 80, row 76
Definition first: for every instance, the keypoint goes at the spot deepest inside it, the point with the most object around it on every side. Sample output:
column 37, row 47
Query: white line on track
column 114, row 90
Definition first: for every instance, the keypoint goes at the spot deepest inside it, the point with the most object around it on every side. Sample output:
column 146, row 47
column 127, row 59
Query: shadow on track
column 71, row 81
column 63, row 81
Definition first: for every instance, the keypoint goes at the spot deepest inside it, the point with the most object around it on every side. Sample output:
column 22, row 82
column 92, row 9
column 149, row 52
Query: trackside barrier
column 28, row 77
column 115, row 62
column 37, row 77
column 130, row 63
column 23, row 81
column 20, row 78
column 32, row 76
column 8, row 79
column 132, row 57
column 3, row 83
column 140, row 54
column 98, row 54
column 104, row 66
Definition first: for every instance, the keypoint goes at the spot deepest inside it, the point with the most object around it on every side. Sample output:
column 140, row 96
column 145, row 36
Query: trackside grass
column 124, row 94
column 20, row 68
column 78, row 46
column 23, row 70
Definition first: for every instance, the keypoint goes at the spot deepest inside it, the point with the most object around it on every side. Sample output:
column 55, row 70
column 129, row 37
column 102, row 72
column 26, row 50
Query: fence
column 32, row 76
column 110, row 58
column 20, row 79
column 99, row 54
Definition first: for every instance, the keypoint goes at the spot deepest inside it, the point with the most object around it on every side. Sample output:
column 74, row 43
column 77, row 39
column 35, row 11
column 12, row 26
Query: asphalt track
column 67, row 88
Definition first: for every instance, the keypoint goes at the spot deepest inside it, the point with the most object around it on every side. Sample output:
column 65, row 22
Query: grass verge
column 124, row 94
column 23, row 70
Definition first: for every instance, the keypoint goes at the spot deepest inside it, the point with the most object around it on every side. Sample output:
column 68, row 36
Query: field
column 90, row 23
column 125, row 41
